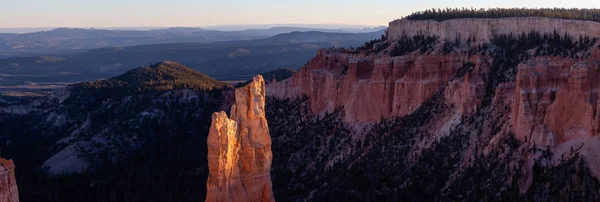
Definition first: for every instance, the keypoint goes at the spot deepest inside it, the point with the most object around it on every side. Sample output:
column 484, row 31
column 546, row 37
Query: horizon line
column 199, row 26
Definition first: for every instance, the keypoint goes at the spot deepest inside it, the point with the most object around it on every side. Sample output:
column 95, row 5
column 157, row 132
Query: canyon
column 467, row 109
column 485, row 90
column 239, row 149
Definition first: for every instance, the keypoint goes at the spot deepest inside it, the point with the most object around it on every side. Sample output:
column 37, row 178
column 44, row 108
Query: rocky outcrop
column 8, row 183
column 239, row 149
column 483, row 29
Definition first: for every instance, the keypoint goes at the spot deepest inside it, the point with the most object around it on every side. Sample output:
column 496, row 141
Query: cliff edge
column 483, row 29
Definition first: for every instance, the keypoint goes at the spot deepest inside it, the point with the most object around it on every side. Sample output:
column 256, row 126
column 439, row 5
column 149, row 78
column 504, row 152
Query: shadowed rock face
column 239, row 149
column 8, row 183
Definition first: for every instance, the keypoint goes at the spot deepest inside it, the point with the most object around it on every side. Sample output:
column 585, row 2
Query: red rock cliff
column 549, row 102
column 8, row 183
column 239, row 149
column 370, row 87
column 556, row 97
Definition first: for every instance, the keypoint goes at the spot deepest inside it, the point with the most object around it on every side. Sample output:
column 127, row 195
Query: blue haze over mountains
column 74, row 55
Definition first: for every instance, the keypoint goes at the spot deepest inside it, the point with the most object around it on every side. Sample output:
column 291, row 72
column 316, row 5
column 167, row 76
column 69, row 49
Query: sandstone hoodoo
column 8, row 183
column 239, row 149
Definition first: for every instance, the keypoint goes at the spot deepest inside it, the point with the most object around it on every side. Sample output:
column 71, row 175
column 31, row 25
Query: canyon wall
column 8, row 183
column 371, row 88
column 556, row 101
column 482, row 29
column 239, row 149
column 554, row 96
column 547, row 102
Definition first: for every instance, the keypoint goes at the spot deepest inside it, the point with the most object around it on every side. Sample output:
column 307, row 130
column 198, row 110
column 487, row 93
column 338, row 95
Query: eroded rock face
column 556, row 100
column 371, row 88
column 239, row 149
column 8, row 183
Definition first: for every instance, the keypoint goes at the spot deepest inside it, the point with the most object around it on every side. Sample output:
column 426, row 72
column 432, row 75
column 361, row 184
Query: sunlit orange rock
column 239, row 149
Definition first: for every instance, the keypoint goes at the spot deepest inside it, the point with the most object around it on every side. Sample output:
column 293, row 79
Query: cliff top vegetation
column 454, row 13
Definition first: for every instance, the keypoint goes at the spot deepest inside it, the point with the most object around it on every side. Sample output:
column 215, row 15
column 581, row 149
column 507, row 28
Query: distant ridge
column 316, row 36
column 275, row 26
column 226, row 60
column 158, row 77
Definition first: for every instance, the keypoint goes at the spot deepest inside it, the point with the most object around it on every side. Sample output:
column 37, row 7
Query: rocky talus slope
column 463, row 109
column 239, row 149
column 8, row 184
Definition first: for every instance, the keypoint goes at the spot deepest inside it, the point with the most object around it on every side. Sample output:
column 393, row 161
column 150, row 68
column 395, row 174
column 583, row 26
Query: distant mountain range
column 339, row 27
column 352, row 28
column 228, row 60
column 76, row 39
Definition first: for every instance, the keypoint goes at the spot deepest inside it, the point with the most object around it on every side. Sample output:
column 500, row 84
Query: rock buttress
column 239, row 149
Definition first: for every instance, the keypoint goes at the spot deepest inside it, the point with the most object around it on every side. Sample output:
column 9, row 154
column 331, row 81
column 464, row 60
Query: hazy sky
column 119, row 13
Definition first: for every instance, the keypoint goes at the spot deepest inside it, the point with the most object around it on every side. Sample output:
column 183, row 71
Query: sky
column 203, row 13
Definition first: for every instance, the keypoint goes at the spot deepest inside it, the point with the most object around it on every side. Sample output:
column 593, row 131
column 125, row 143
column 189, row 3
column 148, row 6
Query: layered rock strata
column 368, row 87
column 239, row 149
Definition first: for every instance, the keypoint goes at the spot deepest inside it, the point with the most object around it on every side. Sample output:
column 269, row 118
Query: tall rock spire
column 8, row 183
column 239, row 149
